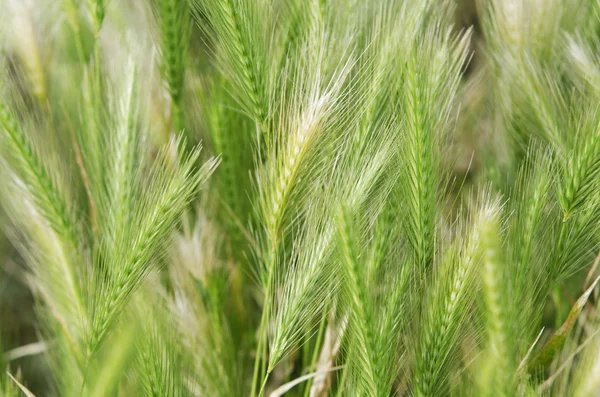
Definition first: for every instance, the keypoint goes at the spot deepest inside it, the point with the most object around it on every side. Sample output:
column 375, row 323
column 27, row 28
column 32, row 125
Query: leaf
column 26, row 350
column 280, row 391
column 25, row 390
column 543, row 359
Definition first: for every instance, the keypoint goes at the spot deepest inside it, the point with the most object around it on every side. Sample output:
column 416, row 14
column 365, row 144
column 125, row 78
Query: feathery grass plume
column 174, row 27
column 163, row 367
column 89, row 140
column 141, row 235
column 578, row 188
column 517, row 251
column 448, row 304
column 240, row 32
column 540, row 104
column 124, row 142
column 522, row 50
column 82, row 57
column 294, row 20
column 201, row 308
column 374, row 277
column 40, row 205
column 531, row 217
column 498, row 365
column 359, row 174
column 513, row 27
column 317, row 19
column 374, row 315
column 584, row 59
column 291, row 147
column 385, row 48
column 28, row 173
column 140, row 204
column 313, row 111
column 80, row 105
column 361, row 311
column 554, row 113
column 285, row 180
column 581, row 161
column 505, row 30
column 24, row 160
column 233, row 178
column 308, row 282
column 429, row 84
column 139, row 201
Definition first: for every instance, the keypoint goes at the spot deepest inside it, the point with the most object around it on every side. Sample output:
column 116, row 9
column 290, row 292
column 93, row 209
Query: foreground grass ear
column 240, row 30
column 139, row 205
column 145, row 229
column 51, row 222
column 447, row 308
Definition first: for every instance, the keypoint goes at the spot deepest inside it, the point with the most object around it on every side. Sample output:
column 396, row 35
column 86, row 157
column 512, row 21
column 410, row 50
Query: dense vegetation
column 389, row 201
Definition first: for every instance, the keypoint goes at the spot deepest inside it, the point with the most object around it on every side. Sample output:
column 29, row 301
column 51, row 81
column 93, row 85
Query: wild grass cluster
column 299, row 197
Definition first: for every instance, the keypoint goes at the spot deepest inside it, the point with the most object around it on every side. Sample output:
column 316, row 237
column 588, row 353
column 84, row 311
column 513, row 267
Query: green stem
column 256, row 360
column 559, row 250
column 315, row 356
column 261, row 347
column 342, row 381
column 177, row 117
column 264, row 383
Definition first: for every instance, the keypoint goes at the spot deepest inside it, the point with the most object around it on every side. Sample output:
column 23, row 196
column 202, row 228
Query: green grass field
column 301, row 198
